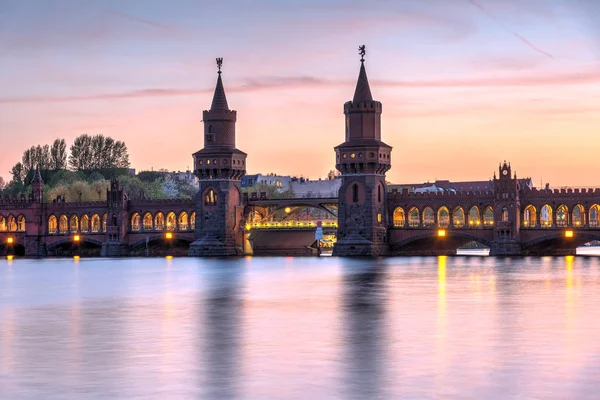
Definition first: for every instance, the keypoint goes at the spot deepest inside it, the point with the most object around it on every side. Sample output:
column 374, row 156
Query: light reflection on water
column 297, row 328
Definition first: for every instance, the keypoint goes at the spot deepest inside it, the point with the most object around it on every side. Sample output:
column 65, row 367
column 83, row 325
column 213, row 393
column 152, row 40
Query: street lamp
column 169, row 235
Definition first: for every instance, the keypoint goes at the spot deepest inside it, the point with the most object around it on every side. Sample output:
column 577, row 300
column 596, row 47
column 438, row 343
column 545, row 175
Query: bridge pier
column 506, row 248
column 356, row 245
column 114, row 249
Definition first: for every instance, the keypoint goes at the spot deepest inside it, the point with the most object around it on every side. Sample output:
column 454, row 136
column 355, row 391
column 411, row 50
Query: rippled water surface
column 300, row 328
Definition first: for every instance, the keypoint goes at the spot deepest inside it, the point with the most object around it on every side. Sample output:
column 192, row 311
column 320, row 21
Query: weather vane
column 361, row 52
column 219, row 64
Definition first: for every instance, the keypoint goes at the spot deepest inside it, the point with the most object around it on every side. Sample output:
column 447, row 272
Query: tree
column 2, row 183
column 36, row 157
column 98, row 152
column 18, row 173
column 58, row 155
column 81, row 153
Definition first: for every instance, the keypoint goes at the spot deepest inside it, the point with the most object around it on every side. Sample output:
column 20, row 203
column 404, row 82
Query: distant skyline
column 465, row 84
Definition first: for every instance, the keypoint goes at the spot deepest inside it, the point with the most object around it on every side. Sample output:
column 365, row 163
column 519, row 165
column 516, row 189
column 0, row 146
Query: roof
column 363, row 90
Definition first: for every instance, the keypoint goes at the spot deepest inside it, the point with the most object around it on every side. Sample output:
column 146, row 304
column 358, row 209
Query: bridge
column 508, row 215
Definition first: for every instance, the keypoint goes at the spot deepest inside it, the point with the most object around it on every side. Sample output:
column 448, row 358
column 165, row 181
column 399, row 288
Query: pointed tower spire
column 363, row 90
column 219, row 102
column 37, row 177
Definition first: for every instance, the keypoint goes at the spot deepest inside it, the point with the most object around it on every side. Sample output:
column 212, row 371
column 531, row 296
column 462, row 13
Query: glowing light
column 378, row 217
column 76, row 238
column 169, row 257
column 10, row 258
column 169, row 235
column 248, row 227
column 569, row 234
column 441, row 232
column 76, row 258
column 10, row 240
column 288, row 210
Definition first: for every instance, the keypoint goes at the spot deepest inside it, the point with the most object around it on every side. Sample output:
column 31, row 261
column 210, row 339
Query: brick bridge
column 366, row 219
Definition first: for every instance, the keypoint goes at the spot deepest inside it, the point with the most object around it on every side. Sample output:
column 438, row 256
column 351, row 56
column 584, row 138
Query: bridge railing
column 290, row 225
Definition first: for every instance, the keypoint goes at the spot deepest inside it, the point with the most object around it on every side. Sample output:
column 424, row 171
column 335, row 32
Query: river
column 300, row 328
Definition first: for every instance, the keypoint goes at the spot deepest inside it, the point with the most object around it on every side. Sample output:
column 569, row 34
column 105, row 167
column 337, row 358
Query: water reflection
column 364, row 301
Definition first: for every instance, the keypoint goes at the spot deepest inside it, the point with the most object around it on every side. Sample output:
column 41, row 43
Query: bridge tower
column 34, row 240
column 506, row 213
column 363, row 159
column 219, row 167
column 116, row 222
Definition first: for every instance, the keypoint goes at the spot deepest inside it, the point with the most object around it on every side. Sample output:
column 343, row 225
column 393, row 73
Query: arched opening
column 52, row 225
column 413, row 217
column 11, row 224
column 147, row 222
column 63, row 225
column 2, row 223
column 104, row 217
column 193, row 221
column 458, row 217
column 504, row 215
column 171, row 221
column 159, row 221
column 443, row 217
column 530, row 216
column 428, row 217
column 136, row 222
column 546, row 216
column 74, row 223
column 562, row 216
column 379, row 190
column 21, row 223
column 488, row 216
column 211, row 129
column 355, row 193
column 474, row 217
column 84, row 224
column 578, row 218
column 594, row 216
column 183, row 221
column 210, row 199
column 96, row 223
column 399, row 217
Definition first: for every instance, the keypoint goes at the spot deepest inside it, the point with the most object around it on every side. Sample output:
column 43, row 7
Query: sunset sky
column 464, row 84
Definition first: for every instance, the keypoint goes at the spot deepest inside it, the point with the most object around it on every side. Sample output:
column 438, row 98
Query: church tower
column 219, row 167
column 507, row 208
column 363, row 159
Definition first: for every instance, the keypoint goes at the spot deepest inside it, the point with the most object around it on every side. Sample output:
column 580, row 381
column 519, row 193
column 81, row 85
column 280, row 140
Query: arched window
column 63, row 224
column 504, row 214
column 96, row 223
column 171, row 221
column 413, row 217
column 11, row 224
column 578, row 215
column 52, row 225
column 159, row 221
column 136, row 222
column 458, row 217
column 530, row 216
column 210, row 199
column 74, row 223
column 355, row 193
column 474, row 217
column 428, row 217
column 2, row 224
column 443, row 217
column 379, row 193
column 84, row 224
column 183, row 221
column 104, row 217
column 21, row 223
column 193, row 221
column 399, row 217
column 488, row 216
column 546, row 216
column 594, row 216
column 147, row 222
column 211, row 129
column 562, row 216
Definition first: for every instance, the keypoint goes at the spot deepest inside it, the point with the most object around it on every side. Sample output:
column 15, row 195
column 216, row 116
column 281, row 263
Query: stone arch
column 74, row 223
column 398, row 217
column 529, row 216
column 11, row 224
column 555, row 239
column 193, row 220
column 147, row 222
column 2, row 223
column 210, row 197
column 414, row 219
column 63, row 224
column 96, row 225
column 21, row 223
column 443, row 217
column 183, row 221
column 136, row 222
column 546, row 216
column 104, row 218
column 426, row 239
column 52, row 225
column 171, row 221
column 84, row 223
column 578, row 215
column 488, row 216
column 562, row 216
column 428, row 216
column 159, row 221
column 594, row 216
column 69, row 240
column 474, row 216
column 458, row 217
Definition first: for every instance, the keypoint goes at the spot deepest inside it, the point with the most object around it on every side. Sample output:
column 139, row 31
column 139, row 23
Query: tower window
column 210, row 138
column 355, row 193
column 379, row 193
column 210, row 199
column 211, row 129
column 505, row 214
